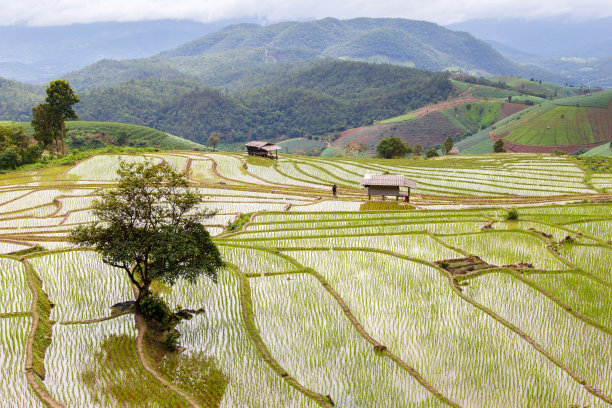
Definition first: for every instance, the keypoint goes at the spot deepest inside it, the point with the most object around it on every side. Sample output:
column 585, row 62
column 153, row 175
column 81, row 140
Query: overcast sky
column 60, row 12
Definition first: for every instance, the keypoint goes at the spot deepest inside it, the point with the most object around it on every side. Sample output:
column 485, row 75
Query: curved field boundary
column 34, row 382
column 380, row 348
column 142, row 329
column 246, row 307
column 457, row 290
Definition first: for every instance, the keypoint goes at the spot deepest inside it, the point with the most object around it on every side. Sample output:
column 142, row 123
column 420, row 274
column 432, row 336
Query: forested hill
column 244, row 56
column 331, row 96
column 17, row 99
column 405, row 42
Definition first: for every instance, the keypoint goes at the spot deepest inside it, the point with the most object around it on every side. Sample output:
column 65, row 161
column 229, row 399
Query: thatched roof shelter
column 262, row 149
column 387, row 185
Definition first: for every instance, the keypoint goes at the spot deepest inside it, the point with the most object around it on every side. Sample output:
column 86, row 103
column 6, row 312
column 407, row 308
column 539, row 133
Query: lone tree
column 447, row 146
column 418, row 149
column 149, row 226
column 214, row 139
column 46, row 130
column 391, row 147
column 498, row 146
column 50, row 118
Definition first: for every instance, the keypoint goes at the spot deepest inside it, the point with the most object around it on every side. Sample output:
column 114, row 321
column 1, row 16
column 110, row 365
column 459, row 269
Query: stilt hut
column 387, row 185
column 262, row 149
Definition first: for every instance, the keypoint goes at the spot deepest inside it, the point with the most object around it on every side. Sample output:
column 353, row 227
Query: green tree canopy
column 149, row 226
column 448, row 145
column 498, row 146
column 418, row 149
column 431, row 153
column 49, row 118
column 214, row 139
column 16, row 148
column 46, row 128
column 392, row 147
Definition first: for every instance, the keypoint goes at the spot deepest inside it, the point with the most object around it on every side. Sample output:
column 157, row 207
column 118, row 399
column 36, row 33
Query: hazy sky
column 60, row 12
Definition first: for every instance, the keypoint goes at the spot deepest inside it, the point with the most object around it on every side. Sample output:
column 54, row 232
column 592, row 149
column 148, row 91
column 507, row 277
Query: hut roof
column 387, row 180
column 263, row 145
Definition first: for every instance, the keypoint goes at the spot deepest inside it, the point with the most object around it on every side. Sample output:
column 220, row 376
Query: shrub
column 170, row 339
column 512, row 214
column 431, row 153
column 154, row 308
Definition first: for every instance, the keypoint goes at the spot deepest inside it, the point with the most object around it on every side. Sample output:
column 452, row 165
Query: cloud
column 61, row 12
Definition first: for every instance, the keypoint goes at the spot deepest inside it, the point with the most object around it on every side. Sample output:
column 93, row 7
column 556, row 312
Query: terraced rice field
column 442, row 302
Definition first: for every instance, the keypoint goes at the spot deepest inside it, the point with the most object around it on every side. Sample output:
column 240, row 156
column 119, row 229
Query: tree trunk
column 143, row 291
column 62, row 132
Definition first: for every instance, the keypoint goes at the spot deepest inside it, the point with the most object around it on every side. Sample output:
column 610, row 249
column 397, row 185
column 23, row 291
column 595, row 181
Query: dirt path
column 33, row 381
column 142, row 328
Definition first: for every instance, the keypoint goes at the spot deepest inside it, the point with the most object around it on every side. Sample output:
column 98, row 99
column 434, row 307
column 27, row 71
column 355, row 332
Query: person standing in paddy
column 334, row 190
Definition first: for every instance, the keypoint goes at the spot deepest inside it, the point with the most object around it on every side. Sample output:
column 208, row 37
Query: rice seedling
column 85, row 289
column 102, row 167
column 583, row 294
column 8, row 247
column 272, row 175
column 598, row 229
column 588, row 353
column 178, row 163
column 201, row 171
column 14, row 389
column 15, row 295
column 96, row 364
column 517, row 247
column 221, row 335
column 595, row 260
column 231, row 167
column 253, row 261
column 309, row 335
column 464, row 353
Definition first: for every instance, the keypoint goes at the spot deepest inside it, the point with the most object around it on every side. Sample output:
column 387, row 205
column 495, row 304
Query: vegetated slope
column 85, row 135
column 96, row 134
column 430, row 126
column 17, row 99
column 106, row 73
column 398, row 41
column 301, row 145
column 570, row 124
column 318, row 100
column 543, row 89
column 429, row 130
column 243, row 56
column 41, row 53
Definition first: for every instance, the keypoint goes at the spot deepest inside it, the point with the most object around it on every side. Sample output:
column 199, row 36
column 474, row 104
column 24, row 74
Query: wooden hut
column 262, row 149
column 387, row 185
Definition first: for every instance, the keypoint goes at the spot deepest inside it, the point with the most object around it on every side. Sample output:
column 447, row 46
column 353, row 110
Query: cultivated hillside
column 568, row 124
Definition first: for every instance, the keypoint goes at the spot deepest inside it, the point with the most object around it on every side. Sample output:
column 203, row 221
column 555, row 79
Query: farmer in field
column 334, row 190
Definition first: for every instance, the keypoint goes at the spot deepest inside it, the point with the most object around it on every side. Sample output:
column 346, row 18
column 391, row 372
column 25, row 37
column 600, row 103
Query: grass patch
column 260, row 161
column 595, row 164
column 385, row 206
column 238, row 223
column 401, row 118
column 28, row 251
column 44, row 330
